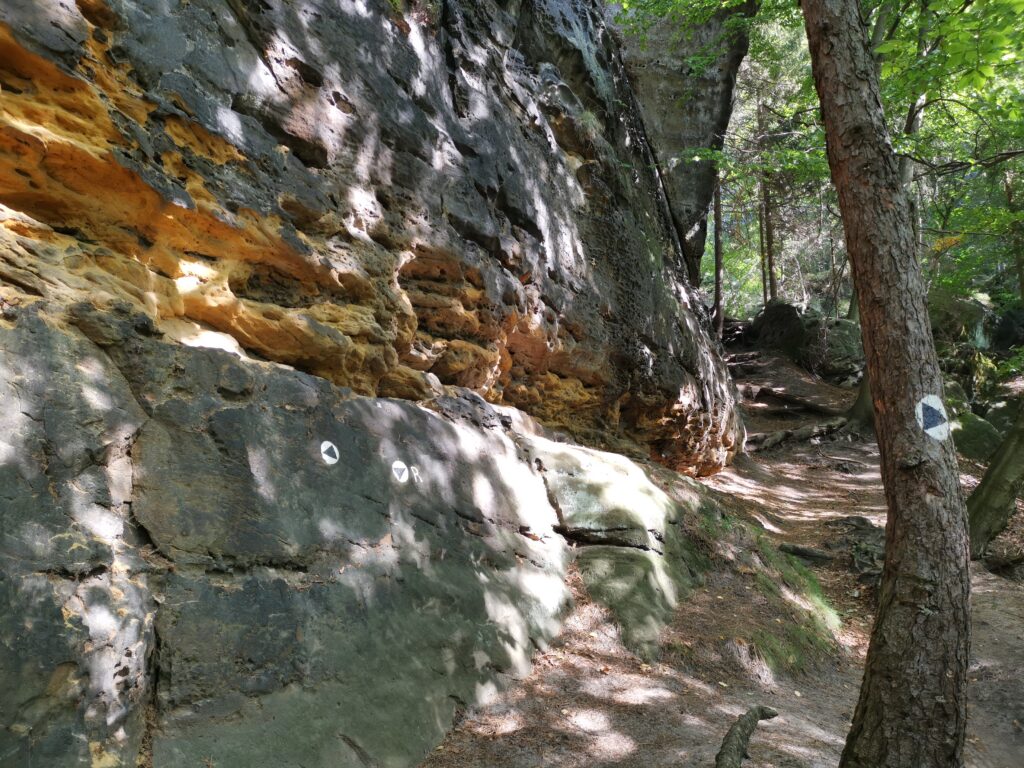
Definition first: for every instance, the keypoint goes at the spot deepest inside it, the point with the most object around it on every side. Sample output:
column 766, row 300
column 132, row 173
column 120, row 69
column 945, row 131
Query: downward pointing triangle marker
column 329, row 452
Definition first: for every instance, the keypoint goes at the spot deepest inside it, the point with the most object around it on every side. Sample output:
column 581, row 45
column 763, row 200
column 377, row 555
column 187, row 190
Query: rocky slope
column 238, row 240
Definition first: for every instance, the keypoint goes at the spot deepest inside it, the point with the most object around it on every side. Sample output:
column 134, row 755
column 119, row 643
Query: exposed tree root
column 810, row 554
column 770, row 393
column 765, row 440
column 734, row 746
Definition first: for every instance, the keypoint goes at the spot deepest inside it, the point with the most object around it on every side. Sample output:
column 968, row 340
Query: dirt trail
column 589, row 702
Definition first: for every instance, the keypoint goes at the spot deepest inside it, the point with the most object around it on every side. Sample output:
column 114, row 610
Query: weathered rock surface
column 960, row 320
column 975, row 438
column 236, row 240
column 633, row 556
column 830, row 347
column 1002, row 414
column 463, row 195
column 209, row 559
column 684, row 75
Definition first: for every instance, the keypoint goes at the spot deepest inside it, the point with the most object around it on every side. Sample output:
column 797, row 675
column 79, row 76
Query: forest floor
column 590, row 702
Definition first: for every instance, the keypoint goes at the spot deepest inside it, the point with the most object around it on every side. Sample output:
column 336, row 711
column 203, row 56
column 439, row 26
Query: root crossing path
column 590, row 703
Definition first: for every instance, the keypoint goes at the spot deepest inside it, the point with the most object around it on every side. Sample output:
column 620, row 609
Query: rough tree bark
column 734, row 746
column 911, row 712
column 994, row 500
column 861, row 417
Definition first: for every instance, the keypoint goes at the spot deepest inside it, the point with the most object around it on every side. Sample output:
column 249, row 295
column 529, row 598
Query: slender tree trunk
column 1016, row 232
column 854, row 312
column 995, row 499
column 769, row 240
column 767, row 225
column 719, row 313
column 861, row 416
column 915, row 117
column 764, row 258
column 912, row 707
column 1019, row 239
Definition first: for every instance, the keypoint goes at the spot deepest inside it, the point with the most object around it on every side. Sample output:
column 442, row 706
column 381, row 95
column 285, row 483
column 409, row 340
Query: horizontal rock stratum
column 279, row 283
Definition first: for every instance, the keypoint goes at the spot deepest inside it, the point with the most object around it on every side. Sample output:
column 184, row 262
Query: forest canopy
column 953, row 91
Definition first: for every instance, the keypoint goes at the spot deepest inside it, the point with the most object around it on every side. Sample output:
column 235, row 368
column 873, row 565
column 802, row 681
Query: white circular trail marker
column 329, row 452
column 400, row 471
column 932, row 417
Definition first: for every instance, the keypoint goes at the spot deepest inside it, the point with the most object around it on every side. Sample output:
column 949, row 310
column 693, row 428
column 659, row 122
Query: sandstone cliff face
column 237, row 239
column 462, row 195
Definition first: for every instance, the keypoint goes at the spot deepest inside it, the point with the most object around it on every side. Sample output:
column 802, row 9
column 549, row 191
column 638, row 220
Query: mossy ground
column 783, row 618
column 778, row 612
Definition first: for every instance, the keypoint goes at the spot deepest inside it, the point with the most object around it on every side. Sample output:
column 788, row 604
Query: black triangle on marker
column 330, row 452
column 932, row 417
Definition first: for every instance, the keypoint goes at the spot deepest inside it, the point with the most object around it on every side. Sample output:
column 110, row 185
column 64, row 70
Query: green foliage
column 426, row 11
column 1012, row 366
column 953, row 89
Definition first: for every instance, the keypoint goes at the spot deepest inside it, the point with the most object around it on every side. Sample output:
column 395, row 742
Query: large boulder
column 686, row 105
column 207, row 559
column 958, row 319
column 1003, row 414
column 974, row 437
column 633, row 556
column 1009, row 329
column 830, row 347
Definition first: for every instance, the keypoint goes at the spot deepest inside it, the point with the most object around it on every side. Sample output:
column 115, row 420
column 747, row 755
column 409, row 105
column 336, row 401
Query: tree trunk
column 1019, row 240
column 861, row 416
column 719, row 313
column 767, row 226
column 854, row 312
column 995, row 499
column 734, row 746
column 1016, row 232
column 769, row 240
column 912, row 707
column 764, row 259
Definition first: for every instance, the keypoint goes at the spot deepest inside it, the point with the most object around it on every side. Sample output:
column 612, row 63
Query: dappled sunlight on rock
column 194, row 335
